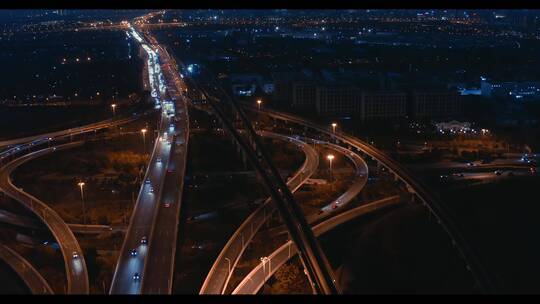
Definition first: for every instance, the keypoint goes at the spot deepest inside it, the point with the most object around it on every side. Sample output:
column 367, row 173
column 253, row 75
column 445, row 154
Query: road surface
column 360, row 180
column 482, row 277
column 76, row 273
column 158, row 274
column 253, row 281
column 33, row 279
column 221, row 271
column 129, row 275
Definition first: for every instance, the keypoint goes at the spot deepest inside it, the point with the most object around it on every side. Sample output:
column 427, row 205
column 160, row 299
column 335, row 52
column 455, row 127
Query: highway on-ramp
column 482, row 277
column 76, row 273
column 254, row 280
column 33, row 279
column 221, row 271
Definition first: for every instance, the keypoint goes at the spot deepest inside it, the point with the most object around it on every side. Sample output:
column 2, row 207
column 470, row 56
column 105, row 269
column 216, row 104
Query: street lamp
column 143, row 132
column 81, row 185
column 259, row 103
column 229, row 261
column 263, row 261
column 334, row 125
column 113, row 106
column 330, row 157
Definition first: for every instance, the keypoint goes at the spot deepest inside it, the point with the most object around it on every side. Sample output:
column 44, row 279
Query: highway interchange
column 146, row 260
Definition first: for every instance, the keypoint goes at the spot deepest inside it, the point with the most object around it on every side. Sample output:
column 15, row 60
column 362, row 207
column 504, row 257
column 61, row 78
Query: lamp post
column 259, row 103
column 229, row 261
column 113, row 106
column 334, row 125
column 330, row 157
column 143, row 132
column 263, row 261
column 81, row 185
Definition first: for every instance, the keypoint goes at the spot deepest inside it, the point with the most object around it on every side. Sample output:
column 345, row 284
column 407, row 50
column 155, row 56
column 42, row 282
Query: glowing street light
column 330, row 158
column 113, row 106
column 259, row 103
column 143, row 131
column 81, row 185
column 334, row 125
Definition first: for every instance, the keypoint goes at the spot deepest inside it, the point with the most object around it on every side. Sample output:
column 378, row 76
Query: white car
column 75, row 255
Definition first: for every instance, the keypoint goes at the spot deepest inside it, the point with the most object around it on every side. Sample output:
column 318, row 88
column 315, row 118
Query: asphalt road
column 33, row 279
column 77, row 276
column 159, row 270
column 359, row 182
column 482, row 277
column 221, row 271
column 254, row 280
column 141, row 221
column 130, row 273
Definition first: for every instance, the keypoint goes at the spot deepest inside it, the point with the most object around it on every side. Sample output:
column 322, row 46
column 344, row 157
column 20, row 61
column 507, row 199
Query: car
column 167, row 204
column 144, row 240
column 195, row 246
column 170, row 170
column 470, row 164
column 334, row 206
column 532, row 170
column 147, row 181
column 136, row 277
column 158, row 160
column 498, row 172
column 151, row 190
column 458, row 174
column 75, row 255
column 444, row 176
column 133, row 252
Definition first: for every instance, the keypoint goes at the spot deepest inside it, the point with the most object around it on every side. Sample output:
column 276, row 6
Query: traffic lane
column 161, row 257
column 256, row 278
column 40, row 138
column 33, row 141
column 160, row 260
column 219, row 275
column 75, row 267
column 142, row 222
column 130, row 266
column 482, row 277
column 361, row 176
column 33, row 279
column 148, row 217
column 485, row 175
